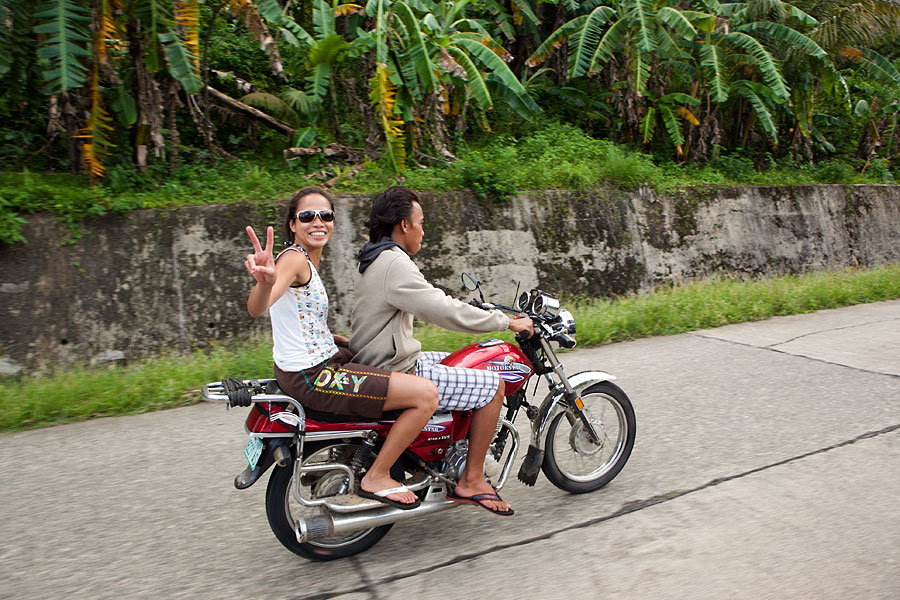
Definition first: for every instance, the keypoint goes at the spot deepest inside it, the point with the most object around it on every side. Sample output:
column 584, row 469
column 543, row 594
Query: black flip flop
column 476, row 499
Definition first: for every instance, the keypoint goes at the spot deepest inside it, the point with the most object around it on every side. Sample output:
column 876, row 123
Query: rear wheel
column 572, row 460
column 283, row 509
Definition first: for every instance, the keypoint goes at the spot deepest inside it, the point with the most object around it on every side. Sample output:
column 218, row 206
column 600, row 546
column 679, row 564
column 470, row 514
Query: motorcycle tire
column 279, row 500
column 572, row 461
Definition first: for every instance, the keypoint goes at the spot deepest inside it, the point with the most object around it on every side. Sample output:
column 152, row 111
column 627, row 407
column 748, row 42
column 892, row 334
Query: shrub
column 490, row 174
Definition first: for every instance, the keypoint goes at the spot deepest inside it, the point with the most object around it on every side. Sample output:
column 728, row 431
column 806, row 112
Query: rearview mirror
column 469, row 282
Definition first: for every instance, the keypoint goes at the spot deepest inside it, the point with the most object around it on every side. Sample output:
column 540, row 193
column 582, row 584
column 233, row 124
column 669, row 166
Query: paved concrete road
column 767, row 466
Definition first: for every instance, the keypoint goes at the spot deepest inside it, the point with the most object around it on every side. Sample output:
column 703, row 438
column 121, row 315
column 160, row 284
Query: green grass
column 551, row 156
column 161, row 382
column 174, row 380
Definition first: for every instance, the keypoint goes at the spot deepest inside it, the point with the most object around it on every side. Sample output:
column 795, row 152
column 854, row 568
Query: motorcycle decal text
column 508, row 365
column 338, row 379
column 434, row 428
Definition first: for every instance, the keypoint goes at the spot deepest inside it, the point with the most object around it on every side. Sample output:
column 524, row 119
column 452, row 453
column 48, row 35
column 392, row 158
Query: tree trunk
column 251, row 112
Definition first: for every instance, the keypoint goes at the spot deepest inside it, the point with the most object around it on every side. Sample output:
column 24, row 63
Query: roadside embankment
column 155, row 280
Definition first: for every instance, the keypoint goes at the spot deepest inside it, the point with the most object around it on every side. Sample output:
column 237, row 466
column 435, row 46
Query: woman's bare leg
column 418, row 398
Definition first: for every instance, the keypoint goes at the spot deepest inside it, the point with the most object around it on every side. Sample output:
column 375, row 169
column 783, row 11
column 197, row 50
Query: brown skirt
column 338, row 386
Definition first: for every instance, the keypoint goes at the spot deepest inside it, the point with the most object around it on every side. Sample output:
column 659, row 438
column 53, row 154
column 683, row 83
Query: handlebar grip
column 563, row 340
column 522, row 336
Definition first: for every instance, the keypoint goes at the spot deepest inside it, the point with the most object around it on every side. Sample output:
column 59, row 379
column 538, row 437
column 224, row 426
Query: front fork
column 562, row 396
column 572, row 397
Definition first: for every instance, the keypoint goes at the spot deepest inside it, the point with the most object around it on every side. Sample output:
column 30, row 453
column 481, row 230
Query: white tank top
column 300, row 334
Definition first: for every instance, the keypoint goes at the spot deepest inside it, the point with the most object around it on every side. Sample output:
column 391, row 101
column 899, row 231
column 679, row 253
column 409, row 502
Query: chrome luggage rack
column 260, row 390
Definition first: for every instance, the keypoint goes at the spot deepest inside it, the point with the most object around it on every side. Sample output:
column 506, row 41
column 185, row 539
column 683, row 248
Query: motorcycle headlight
column 568, row 320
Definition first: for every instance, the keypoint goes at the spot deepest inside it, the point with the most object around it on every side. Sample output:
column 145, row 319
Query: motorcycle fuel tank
column 503, row 358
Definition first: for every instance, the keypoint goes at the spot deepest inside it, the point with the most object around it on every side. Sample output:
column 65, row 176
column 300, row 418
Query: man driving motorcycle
column 390, row 292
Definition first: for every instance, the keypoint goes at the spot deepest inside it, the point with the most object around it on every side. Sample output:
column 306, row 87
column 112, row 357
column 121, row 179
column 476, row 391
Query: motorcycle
column 582, row 434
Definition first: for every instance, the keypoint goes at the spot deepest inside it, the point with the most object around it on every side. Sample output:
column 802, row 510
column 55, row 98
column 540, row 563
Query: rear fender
column 551, row 405
column 249, row 476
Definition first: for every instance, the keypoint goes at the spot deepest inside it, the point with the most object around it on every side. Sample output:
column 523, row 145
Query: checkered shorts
column 458, row 388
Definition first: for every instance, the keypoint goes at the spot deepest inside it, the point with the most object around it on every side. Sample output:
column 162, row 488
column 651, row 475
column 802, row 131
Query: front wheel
column 282, row 508
column 572, row 460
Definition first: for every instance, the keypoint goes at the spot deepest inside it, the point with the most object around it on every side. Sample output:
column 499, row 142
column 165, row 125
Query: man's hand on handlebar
column 521, row 325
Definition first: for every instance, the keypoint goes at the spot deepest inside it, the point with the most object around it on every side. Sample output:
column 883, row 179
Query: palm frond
column 640, row 66
column 523, row 9
column 642, row 13
column 275, row 16
column 62, row 21
column 678, row 22
column 155, row 18
column 95, row 133
column 181, row 62
column 648, row 125
column 609, row 44
column 769, row 68
column 679, row 98
column 754, row 94
column 327, row 50
column 474, row 80
column 704, row 21
column 187, row 18
column 588, row 38
column 881, row 68
column 383, row 97
column 680, row 66
column 667, row 47
column 782, row 33
column 500, row 71
column 299, row 101
column 673, row 127
column 858, row 24
column 803, row 18
column 323, row 19
column 712, row 63
column 418, row 52
column 555, row 40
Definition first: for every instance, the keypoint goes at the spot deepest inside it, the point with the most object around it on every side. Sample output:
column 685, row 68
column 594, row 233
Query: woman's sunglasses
column 308, row 216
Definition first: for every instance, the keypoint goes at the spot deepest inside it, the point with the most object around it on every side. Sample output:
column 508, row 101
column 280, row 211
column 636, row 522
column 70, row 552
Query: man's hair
column 295, row 203
column 389, row 208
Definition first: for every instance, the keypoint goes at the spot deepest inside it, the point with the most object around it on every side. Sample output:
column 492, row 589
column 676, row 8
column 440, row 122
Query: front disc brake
column 580, row 440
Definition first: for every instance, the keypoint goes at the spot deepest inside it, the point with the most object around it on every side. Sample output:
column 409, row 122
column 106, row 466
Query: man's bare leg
column 481, row 431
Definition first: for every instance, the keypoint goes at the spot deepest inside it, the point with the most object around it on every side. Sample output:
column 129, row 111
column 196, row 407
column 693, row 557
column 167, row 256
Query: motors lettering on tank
column 509, row 369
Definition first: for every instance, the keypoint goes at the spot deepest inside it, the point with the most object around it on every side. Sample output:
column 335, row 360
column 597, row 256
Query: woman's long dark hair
column 389, row 208
column 295, row 203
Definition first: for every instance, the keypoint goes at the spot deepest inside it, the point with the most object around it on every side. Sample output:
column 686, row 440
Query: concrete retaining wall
column 154, row 280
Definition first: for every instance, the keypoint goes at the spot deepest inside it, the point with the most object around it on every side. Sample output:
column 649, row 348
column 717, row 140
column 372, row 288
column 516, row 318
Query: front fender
column 551, row 404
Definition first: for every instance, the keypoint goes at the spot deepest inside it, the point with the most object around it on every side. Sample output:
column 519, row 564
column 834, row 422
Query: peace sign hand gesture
column 260, row 264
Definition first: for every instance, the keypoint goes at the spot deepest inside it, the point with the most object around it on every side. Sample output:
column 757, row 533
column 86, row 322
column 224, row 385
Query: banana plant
column 670, row 110
column 427, row 50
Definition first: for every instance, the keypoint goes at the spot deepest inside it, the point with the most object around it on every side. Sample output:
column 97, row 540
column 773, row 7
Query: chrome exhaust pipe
column 336, row 524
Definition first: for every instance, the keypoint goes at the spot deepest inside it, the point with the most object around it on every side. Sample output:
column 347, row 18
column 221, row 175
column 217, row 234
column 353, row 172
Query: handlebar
column 563, row 340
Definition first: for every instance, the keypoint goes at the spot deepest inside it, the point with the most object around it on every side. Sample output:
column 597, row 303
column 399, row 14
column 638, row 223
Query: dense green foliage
column 171, row 380
column 492, row 95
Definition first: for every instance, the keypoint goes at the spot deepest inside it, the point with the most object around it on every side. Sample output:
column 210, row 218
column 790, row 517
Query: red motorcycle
column 582, row 434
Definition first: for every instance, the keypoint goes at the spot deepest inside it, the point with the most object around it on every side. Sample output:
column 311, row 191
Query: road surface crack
column 627, row 509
